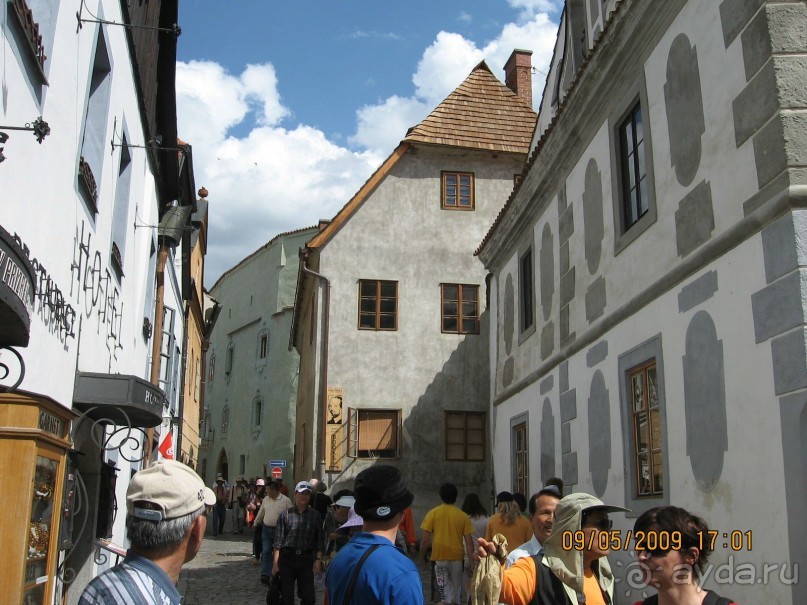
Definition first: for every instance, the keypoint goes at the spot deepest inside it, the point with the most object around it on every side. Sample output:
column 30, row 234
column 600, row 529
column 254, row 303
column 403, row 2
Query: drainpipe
column 323, row 366
column 156, row 340
column 182, row 370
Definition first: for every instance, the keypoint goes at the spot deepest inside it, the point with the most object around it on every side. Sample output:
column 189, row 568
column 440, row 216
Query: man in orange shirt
column 559, row 575
column 407, row 528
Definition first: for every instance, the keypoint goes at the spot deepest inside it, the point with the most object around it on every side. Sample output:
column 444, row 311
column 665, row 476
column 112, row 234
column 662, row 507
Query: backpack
column 712, row 598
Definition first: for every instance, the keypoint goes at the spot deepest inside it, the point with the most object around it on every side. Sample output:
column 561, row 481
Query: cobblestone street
column 223, row 573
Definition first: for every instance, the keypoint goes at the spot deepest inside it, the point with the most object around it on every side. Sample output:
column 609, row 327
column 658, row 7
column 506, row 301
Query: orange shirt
column 519, row 584
column 517, row 534
column 407, row 526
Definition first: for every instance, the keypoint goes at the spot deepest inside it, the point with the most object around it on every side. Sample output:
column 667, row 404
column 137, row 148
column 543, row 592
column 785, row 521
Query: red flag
column 167, row 446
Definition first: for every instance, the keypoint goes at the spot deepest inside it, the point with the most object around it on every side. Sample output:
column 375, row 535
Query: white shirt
column 533, row 547
column 270, row 510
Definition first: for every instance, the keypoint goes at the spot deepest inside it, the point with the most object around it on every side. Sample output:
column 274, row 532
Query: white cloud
column 446, row 63
column 381, row 127
column 530, row 8
column 278, row 177
column 273, row 179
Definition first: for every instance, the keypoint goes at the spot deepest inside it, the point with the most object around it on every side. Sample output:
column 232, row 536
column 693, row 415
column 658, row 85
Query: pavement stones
column 223, row 573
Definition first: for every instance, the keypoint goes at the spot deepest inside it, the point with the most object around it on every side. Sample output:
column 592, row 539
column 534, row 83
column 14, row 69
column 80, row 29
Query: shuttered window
column 374, row 433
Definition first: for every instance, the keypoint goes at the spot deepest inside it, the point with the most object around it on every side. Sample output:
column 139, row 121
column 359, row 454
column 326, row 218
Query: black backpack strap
column 352, row 585
column 712, row 598
column 548, row 588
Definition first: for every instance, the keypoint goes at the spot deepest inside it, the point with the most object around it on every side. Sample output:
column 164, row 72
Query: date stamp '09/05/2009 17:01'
column 649, row 541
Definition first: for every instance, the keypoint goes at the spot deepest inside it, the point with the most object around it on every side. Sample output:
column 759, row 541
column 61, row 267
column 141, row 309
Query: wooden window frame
column 378, row 299
column 460, row 317
column 356, row 441
column 467, row 436
column 649, row 408
column 520, row 457
column 454, row 201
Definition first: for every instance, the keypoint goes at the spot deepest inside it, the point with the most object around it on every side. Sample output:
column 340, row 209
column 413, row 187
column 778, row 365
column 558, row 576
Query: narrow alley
column 223, row 572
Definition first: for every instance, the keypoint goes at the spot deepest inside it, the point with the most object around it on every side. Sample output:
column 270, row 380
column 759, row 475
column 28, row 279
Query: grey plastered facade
column 712, row 286
column 401, row 233
column 256, row 298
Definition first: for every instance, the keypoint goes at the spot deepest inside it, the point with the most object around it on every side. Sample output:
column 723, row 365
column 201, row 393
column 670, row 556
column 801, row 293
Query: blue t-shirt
column 387, row 577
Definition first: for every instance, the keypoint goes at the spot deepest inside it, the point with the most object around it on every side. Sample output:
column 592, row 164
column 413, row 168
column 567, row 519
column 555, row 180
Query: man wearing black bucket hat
column 370, row 569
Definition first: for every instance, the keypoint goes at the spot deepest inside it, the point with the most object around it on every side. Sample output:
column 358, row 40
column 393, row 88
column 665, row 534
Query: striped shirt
column 134, row 581
column 299, row 531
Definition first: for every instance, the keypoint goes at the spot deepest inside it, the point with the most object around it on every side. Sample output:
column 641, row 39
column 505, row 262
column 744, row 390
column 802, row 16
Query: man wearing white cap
column 166, row 507
column 298, row 547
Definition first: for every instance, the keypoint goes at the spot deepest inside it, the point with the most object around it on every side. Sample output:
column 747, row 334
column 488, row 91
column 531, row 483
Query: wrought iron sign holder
column 124, row 438
column 39, row 127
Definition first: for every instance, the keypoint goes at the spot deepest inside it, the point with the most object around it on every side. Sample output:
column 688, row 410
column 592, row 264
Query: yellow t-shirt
column 448, row 526
column 516, row 534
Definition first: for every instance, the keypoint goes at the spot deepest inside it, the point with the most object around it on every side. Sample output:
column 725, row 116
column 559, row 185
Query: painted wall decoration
column 334, row 433
column 705, row 401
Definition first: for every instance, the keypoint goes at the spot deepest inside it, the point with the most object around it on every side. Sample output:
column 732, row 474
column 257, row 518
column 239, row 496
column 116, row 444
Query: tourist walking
column 509, row 522
column 273, row 504
column 447, row 530
column 370, row 569
column 253, row 506
column 563, row 573
column 239, row 504
column 298, row 547
column 222, row 490
column 166, row 507
column 674, row 570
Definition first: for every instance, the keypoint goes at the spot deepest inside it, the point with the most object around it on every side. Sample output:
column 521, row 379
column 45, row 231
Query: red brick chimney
column 518, row 74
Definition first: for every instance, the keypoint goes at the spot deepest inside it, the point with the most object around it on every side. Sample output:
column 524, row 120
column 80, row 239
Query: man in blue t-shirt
column 386, row 575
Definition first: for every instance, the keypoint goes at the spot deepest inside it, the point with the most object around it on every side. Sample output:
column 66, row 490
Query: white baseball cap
column 174, row 488
column 303, row 486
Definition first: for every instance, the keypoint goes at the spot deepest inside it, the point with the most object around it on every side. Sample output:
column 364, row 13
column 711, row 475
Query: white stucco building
column 80, row 249
column 647, row 297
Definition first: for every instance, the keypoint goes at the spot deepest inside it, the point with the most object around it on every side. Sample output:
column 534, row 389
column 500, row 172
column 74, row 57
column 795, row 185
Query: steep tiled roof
column 481, row 113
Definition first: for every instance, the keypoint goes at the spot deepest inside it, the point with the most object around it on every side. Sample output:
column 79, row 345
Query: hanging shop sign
column 17, row 281
column 118, row 398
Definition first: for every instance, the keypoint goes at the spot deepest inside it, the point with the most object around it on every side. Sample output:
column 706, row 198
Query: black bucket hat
column 381, row 493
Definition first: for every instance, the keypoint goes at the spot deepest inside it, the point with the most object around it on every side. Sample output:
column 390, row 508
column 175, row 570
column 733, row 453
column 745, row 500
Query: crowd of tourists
column 361, row 543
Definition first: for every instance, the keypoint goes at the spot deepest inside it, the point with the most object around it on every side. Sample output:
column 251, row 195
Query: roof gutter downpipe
column 323, row 364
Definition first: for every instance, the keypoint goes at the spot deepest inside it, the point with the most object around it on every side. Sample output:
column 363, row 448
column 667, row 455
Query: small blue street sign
column 280, row 463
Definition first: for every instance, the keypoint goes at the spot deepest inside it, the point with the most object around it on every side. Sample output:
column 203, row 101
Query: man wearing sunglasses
column 573, row 563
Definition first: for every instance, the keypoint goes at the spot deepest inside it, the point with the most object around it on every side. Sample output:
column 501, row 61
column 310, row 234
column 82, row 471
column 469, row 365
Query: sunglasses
column 656, row 553
column 602, row 524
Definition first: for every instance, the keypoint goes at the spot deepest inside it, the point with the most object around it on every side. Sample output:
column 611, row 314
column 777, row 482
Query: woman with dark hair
column 672, row 546
column 472, row 506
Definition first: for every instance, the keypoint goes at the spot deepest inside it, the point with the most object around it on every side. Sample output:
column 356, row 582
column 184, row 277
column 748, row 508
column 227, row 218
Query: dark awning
column 121, row 399
column 16, row 292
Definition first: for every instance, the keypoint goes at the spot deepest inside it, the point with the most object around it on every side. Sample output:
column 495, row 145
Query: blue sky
column 290, row 106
